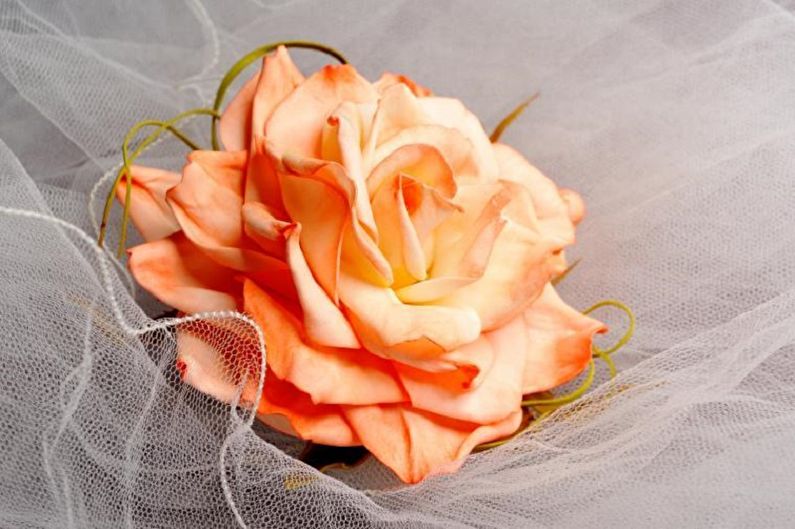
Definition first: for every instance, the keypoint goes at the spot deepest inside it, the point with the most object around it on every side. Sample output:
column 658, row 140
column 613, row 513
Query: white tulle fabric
column 676, row 122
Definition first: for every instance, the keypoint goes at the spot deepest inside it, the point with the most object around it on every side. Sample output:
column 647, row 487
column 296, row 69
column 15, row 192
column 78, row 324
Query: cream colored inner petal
column 393, row 323
column 342, row 143
column 454, row 147
column 452, row 113
column 397, row 110
column 399, row 240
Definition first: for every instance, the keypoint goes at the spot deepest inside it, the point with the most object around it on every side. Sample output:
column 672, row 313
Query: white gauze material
column 676, row 122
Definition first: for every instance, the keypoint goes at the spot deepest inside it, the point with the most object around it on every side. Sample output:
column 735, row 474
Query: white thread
column 165, row 324
column 204, row 18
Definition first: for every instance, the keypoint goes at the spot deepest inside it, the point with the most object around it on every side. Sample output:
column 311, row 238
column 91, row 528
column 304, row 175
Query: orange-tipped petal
column 454, row 147
column 320, row 196
column 279, row 79
column 492, row 396
column 234, row 127
column 208, row 205
column 324, row 323
column 514, row 277
column 247, row 113
column 424, row 163
column 388, row 80
column 207, row 202
column 397, row 110
column 465, row 244
column 264, row 228
column 559, row 342
column 314, row 200
column 574, row 204
column 342, row 143
column 398, row 239
column 203, row 361
column 177, row 273
column 329, row 375
column 405, row 332
column 290, row 410
column 550, row 208
column 148, row 208
column 417, row 444
column 453, row 114
column 297, row 122
column 262, row 177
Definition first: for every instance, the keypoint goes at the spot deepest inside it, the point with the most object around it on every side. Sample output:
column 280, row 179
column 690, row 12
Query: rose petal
column 234, row 127
column 180, row 275
column 496, row 393
column 208, row 202
column 264, row 228
column 397, row 110
column 514, row 277
column 297, row 122
column 329, row 375
column 388, row 80
column 280, row 77
column 431, row 289
column 290, row 410
column 559, row 342
column 405, row 332
column 417, row 444
column 574, row 204
column 148, row 208
column 398, row 239
column 466, row 242
column 342, row 143
column 361, row 253
column 262, row 178
column 453, row 114
column 204, row 351
column 422, row 162
column 455, row 148
column 247, row 113
column 550, row 209
column 313, row 200
column 320, row 196
column 323, row 321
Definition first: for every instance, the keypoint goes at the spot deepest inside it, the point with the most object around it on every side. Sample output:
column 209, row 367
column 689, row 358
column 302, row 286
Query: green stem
column 630, row 328
column 568, row 397
column 128, row 159
column 556, row 280
column 507, row 120
column 608, row 360
column 522, row 430
column 557, row 402
column 249, row 58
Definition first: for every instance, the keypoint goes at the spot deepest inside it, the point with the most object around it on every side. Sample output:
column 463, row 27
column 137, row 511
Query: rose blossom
column 398, row 262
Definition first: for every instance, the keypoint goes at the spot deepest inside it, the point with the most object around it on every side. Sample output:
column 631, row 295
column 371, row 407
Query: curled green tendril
column 608, row 360
column 533, row 422
column 630, row 328
column 507, row 120
column 128, row 159
column 249, row 58
column 545, row 406
column 568, row 397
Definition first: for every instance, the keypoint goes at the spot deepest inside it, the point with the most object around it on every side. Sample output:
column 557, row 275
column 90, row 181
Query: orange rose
column 398, row 262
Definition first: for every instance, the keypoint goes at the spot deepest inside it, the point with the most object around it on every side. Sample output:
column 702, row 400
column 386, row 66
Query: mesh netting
column 675, row 120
